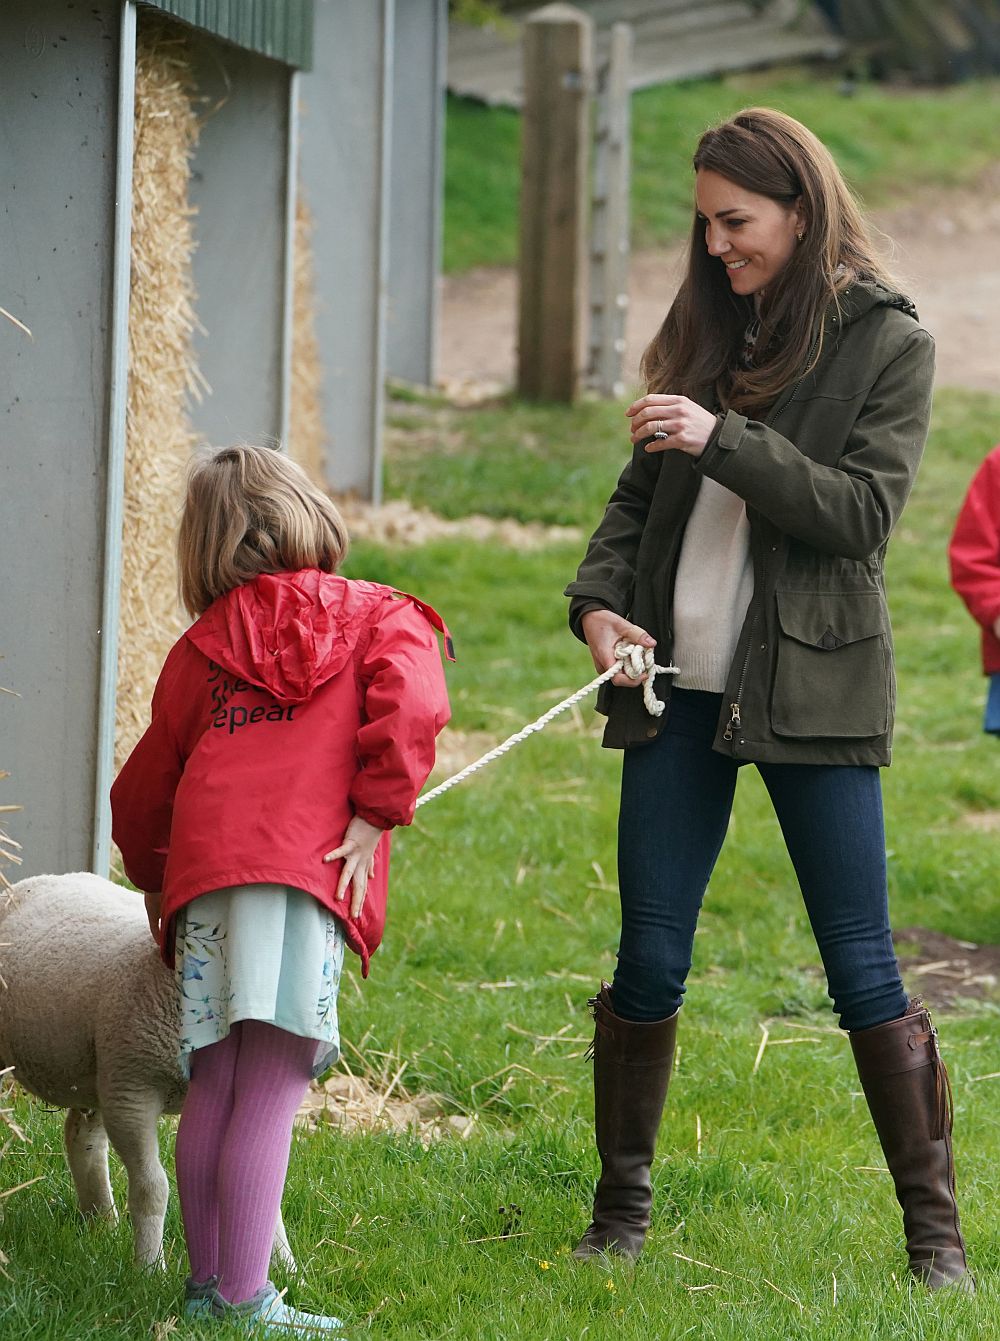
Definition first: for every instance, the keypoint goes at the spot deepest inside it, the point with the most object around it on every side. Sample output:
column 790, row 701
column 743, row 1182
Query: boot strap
column 944, row 1101
column 600, row 1027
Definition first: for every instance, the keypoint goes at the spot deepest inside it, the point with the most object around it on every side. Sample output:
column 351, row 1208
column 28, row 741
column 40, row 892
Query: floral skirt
column 259, row 952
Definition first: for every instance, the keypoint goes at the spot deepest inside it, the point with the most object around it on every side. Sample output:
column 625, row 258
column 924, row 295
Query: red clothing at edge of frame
column 974, row 555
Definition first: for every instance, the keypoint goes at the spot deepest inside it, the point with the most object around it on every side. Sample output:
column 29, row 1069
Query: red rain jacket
column 293, row 703
column 974, row 554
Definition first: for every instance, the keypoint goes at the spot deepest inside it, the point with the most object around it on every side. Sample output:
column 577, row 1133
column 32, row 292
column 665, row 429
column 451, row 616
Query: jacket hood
column 287, row 633
column 863, row 295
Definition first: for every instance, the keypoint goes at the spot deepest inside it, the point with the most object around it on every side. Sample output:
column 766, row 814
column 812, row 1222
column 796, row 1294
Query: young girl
column 292, row 727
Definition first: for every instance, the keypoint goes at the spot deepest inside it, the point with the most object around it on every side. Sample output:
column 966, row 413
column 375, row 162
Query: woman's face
column 753, row 236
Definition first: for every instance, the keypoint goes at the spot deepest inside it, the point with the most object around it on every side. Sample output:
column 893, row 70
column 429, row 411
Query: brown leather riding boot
column 632, row 1064
column 909, row 1095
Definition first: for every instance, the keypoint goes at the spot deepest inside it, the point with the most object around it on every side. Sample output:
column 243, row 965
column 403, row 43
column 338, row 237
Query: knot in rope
column 638, row 661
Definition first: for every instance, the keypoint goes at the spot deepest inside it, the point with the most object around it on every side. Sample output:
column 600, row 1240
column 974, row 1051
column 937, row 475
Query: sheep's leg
column 87, row 1156
column 131, row 1118
column 281, row 1252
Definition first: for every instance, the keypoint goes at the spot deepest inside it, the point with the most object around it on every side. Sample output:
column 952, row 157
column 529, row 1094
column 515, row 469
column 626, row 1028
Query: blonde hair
column 701, row 339
column 250, row 510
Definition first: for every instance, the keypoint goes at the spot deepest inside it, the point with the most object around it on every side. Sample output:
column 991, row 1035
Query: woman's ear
column 801, row 222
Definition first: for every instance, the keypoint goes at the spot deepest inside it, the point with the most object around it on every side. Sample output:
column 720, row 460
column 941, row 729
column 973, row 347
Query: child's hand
column 152, row 902
column 358, row 854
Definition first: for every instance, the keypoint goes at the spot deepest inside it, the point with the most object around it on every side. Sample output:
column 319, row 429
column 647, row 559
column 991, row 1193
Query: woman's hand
column 688, row 426
column 152, row 902
column 357, row 851
column 604, row 630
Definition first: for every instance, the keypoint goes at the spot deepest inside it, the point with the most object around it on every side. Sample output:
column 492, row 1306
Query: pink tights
column 233, row 1143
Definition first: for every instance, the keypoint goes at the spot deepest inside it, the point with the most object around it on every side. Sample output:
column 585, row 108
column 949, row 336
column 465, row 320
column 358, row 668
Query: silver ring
column 661, row 432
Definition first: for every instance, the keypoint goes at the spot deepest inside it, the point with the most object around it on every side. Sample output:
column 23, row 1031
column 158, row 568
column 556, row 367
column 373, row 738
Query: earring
column 800, row 236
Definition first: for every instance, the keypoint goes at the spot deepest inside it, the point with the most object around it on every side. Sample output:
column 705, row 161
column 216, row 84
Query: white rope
column 633, row 660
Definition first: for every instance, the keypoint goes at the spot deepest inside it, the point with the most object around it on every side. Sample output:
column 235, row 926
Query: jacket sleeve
column 606, row 576
column 974, row 551
column 405, row 706
column 851, row 508
column 142, row 796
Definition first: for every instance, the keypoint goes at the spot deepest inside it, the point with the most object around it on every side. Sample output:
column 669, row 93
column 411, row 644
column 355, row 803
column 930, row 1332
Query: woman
column 789, row 391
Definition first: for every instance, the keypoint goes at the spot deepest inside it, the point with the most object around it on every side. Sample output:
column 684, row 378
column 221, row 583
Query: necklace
column 749, row 343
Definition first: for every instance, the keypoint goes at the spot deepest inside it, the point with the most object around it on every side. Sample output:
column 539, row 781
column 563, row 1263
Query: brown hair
column 251, row 510
column 699, row 343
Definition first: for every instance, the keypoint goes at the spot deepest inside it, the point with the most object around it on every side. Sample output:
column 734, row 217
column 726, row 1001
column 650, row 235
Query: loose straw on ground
column 735, row 1275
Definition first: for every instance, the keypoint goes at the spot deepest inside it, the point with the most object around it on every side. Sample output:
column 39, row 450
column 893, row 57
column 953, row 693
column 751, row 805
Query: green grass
column 891, row 144
column 542, row 463
column 503, row 917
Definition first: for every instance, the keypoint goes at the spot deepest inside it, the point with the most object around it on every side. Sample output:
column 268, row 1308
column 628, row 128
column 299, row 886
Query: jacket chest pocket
column 833, row 670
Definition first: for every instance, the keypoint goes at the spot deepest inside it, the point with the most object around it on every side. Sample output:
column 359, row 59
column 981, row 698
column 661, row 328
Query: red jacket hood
column 287, row 633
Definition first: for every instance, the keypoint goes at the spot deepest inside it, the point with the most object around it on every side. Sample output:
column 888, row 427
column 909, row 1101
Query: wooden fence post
column 610, row 247
column 555, row 207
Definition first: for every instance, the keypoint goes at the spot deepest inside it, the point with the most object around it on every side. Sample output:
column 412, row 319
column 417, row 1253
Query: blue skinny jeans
column 677, row 795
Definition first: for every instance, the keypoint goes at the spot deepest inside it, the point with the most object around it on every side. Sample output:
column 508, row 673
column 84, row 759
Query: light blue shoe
column 198, row 1297
column 267, row 1314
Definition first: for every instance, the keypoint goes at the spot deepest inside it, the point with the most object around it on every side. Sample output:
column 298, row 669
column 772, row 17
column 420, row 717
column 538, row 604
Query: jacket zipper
column 735, row 719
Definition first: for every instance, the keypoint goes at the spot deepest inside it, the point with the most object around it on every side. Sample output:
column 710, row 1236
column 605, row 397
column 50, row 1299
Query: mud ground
column 944, row 253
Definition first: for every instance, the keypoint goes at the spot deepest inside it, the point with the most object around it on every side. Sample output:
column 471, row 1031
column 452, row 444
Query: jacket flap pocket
column 828, row 620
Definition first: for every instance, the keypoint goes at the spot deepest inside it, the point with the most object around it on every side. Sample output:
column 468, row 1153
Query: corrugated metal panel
column 344, row 157
column 240, row 174
column 421, row 33
column 279, row 28
column 59, row 167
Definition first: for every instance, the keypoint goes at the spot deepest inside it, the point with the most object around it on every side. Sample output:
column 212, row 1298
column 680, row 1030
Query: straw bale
column 10, row 849
column 306, row 429
column 162, row 368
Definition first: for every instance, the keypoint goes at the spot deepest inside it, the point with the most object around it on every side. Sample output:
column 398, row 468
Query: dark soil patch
column 944, row 970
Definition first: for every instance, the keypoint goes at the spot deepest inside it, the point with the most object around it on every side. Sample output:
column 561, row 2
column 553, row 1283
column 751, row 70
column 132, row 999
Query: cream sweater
column 712, row 589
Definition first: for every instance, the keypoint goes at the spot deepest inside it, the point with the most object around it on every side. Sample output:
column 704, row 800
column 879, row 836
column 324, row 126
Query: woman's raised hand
column 604, row 630
column 357, row 851
column 688, row 426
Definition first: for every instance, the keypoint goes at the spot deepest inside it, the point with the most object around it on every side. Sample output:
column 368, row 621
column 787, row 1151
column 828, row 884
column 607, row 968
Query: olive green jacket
column 824, row 478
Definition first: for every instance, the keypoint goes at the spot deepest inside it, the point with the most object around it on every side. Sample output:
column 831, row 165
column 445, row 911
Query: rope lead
column 630, row 658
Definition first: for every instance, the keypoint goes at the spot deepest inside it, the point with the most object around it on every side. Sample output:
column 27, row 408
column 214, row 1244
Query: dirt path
column 945, row 255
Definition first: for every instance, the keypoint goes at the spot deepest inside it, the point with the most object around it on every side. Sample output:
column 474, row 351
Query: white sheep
column 88, row 1020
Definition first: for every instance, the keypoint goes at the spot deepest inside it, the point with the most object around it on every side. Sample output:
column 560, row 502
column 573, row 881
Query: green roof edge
column 282, row 29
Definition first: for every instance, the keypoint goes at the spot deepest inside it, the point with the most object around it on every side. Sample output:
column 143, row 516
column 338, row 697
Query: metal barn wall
column 65, row 164
column 238, row 187
column 421, row 40
column 279, row 28
column 58, row 155
column 344, row 174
